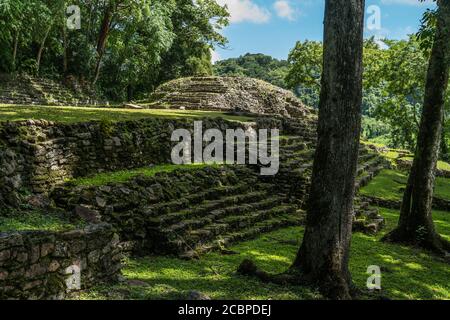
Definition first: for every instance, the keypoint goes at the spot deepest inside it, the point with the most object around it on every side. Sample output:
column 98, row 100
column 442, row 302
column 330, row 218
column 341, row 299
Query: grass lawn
column 407, row 273
column 390, row 184
column 83, row 114
column 33, row 221
column 124, row 175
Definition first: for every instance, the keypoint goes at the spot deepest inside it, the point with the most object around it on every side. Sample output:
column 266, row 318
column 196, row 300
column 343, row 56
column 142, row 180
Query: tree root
column 249, row 268
column 328, row 287
column 436, row 244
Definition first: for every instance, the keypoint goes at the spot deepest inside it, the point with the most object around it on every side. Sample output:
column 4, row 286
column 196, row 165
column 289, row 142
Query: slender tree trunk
column 64, row 34
column 416, row 223
column 324, row 254
column 41, row 49
column 444, row 147
column 16, row 44
column 101, row 42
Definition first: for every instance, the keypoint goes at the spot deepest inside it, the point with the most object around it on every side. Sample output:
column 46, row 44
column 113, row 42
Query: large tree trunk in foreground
column 322, row 260
column 416, row 223
column 324, row 253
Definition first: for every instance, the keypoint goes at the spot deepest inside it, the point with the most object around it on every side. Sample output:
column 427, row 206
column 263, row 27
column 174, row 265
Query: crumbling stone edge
column 50, row 265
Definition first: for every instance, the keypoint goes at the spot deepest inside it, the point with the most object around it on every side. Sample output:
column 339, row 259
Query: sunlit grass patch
column 125, row 175
column 407, row 273
column 32, row 221
column 390, row 185
column 82, row 114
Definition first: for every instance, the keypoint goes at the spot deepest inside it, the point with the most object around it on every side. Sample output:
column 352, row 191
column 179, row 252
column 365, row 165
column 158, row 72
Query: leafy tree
column 416, row 224
column 257, row 66
column 124, row 47
column 304, row 76
column 196, row 27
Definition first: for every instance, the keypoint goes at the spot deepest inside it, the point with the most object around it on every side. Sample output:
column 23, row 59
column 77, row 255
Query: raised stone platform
column 37, row 155
column 28, row 90
column 228, row 94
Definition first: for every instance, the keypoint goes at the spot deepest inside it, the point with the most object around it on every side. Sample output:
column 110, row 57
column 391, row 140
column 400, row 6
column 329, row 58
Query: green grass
column 443, row 165
column 83, row 114
column 407, row 273
column 32, row 221
column 125, row 175
column 390, row 184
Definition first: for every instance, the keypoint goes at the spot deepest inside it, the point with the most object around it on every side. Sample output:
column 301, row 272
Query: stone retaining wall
column 37, row 155
column 123, row 204
column 438, row 204
column 48, row 265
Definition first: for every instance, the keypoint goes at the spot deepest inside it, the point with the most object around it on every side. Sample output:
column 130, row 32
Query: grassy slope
column 33, row 221
column 389, row 184
column 81, row 114
column 406, row 273
column 124, row 175
column 441, row 165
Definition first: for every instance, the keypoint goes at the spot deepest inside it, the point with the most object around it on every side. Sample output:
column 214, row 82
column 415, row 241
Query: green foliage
column 137, row 43
column 407, row 273
column 258, row 66
column 196, row 25
column 373, row 128
column 401, row 80
column 83, row 114
column 394, row 82
column 305, row 71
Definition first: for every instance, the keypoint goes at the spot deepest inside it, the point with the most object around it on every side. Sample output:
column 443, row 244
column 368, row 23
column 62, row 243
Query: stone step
column 286, row 220
column 193, row 199
column 219, row 215
column 206, row 208
column 367, row 166
column 366, row 157
column 295, row 147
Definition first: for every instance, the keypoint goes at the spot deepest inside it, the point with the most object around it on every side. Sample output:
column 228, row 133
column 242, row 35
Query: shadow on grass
column 407, row 273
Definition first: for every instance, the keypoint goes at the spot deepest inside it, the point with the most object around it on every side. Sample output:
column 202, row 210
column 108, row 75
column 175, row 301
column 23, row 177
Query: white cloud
column 215, row 56
column 245, row 11
column 284, row 9
column 407, row 2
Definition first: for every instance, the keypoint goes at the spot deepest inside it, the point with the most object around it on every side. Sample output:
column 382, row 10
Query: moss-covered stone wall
column 37, row 155
column 48, row 265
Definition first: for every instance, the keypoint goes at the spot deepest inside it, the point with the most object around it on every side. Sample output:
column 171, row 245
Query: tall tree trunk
column 102, row 37
column 16, row 44
column 324, row 254
column 416, row 223
column 41, row 49
column 64, row 34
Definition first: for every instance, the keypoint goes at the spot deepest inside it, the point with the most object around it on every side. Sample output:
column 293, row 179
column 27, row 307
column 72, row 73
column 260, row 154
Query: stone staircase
column 27, row 90
column 188, row 214
column 235, row 215
column 212, row 219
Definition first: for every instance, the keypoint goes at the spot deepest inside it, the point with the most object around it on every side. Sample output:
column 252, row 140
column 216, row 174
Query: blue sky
column 273, row 26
